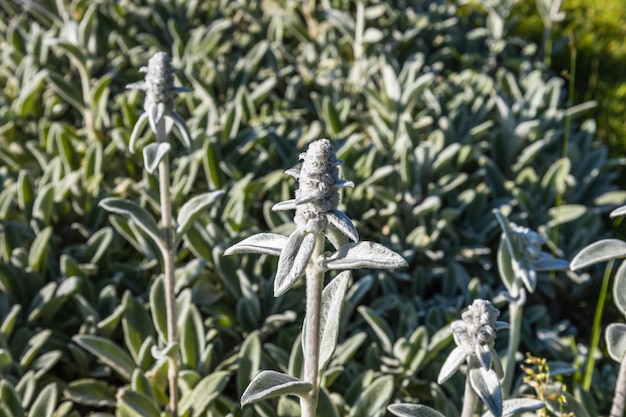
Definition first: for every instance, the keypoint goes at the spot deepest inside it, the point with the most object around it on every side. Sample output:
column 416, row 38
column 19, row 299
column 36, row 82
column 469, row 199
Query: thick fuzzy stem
column 515, row 317
column 469, row 397
column 619, row 398
column 314, row 287
column 168, row 268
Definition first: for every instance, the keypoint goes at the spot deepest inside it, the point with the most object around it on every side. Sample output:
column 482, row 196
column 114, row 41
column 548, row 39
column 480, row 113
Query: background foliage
column 440, row 115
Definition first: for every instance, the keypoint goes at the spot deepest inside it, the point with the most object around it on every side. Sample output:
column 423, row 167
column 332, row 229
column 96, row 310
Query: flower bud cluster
column 477, row 327
column 318, row 186
column 159, row 82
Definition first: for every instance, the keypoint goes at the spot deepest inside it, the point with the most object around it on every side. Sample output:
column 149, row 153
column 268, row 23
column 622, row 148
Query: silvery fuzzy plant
column 474, row 336
column 162, row 117
column 302, row 253
column 519, row 259
column 615, row 334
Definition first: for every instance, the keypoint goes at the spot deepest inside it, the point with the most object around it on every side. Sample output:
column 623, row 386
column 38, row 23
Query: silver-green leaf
column 364, row 255
column 332, row 301
column 153, row 154
column 194, row 208
column 413, row 410
column 616, row 340
column 486, row 384
column 138, row 214
column 263, row 243
column 269, row 384
column 518, row 405
column 293, row 260
column 597, row 252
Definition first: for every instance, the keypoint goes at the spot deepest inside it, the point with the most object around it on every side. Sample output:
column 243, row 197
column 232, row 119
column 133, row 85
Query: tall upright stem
column 619, row 398
column 314, row 287
column 469, row 397
column 515, row 318
column 168, row 267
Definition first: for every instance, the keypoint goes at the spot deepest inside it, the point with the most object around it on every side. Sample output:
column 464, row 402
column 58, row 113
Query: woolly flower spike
column 317, row 217
column 475, row 337
column 159, row 103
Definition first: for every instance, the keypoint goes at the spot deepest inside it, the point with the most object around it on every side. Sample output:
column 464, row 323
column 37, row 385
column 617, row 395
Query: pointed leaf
column 293, row 260
column 249, row 361
column 454, row 360
column 133, row 403
column 619, row 288
column 616, row 340
column 413, row 410
column 194, row 208
column 204, row 393
column 284, row 205
column 157, row 301
column 518, row 405
column 486, row 384
column 10, row 405
column 374, row 399
column 620, row 211
column 269, row 384
column 344, row 224
column 333, row 296
column 378, row 325
column 46, row 402
column 39, row 249
column 364, row 255
column 108, row 352
column 597, row 252
column 138, row 214
column 140, row 125
column 264, row 243
column 153, row 154
column 91, row 392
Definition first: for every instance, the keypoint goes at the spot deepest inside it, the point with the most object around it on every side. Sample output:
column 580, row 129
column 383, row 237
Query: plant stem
column 314, row 287
column 597, row 326
column 515, row 328
column 168, row 268
column 469, row 397
column 619, row 398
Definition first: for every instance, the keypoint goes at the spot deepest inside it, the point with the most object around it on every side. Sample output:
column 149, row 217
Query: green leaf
column 616, row 340
column 98, row 244
column 157, row 301
column 194, row 208
column 603, row 250
column 505, row 267
column 191, row 337
column 516, row 406
column 269, row 384
column 8, row 324
column 137, row 213
column 355, row 255
column 565, row 213
column 293, row 260
column 109, row 353
column 249, row 361
column 66, row 90
column 136, row 404
column 378, row 325
column 34, row 345
column 10, row 405
column 153, row 154
column 46, row 402
column 136, row 324
column 25, row 192
column 91, row 392
column 619, row 288
column 413, row 410
column 43, row 205
column 204, row 393
column 374, row 399
column 39, row 249
column 333, row 297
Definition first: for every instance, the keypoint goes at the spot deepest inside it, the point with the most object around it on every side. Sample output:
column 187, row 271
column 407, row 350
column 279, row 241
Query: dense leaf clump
column 440, row 117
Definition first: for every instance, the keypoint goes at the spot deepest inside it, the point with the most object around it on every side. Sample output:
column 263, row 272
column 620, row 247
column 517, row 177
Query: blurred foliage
column 440, row 115
column 591, row 34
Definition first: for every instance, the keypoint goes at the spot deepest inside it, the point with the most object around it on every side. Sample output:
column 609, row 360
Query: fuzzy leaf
column 39, row 249
column 413, row 410
column 454, row 360
column 46, row 402
column 517, row 406
column 374, row 399
column 264, row 243
column 139, row 127
column 108, row 352
column 618, row 212
column 284, row 205
column 91, row 392
column 133, row 403
column 364, row 255
column 616, row 340
column 486, row 384
column 137, row 213
column 619, row 288
column 293, row 260
column 157, row 301
column 332, row 301
column 269, row 384
column 194, row 208
column 344, row 224
column 153, row 155
column 249, row 361
column 379, row 326
column 206, row 391
column 10, row 405
column 597, row 252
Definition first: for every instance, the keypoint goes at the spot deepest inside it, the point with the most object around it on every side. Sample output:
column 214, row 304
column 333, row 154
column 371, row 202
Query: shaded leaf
column 518, row 405
column 616, row 340
column 374, row 399
column 619, row 288
column 486, row 384
column 108, row 352
column 207, row 390
column 194, row 208
column 137, row 213
column 413, row 410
